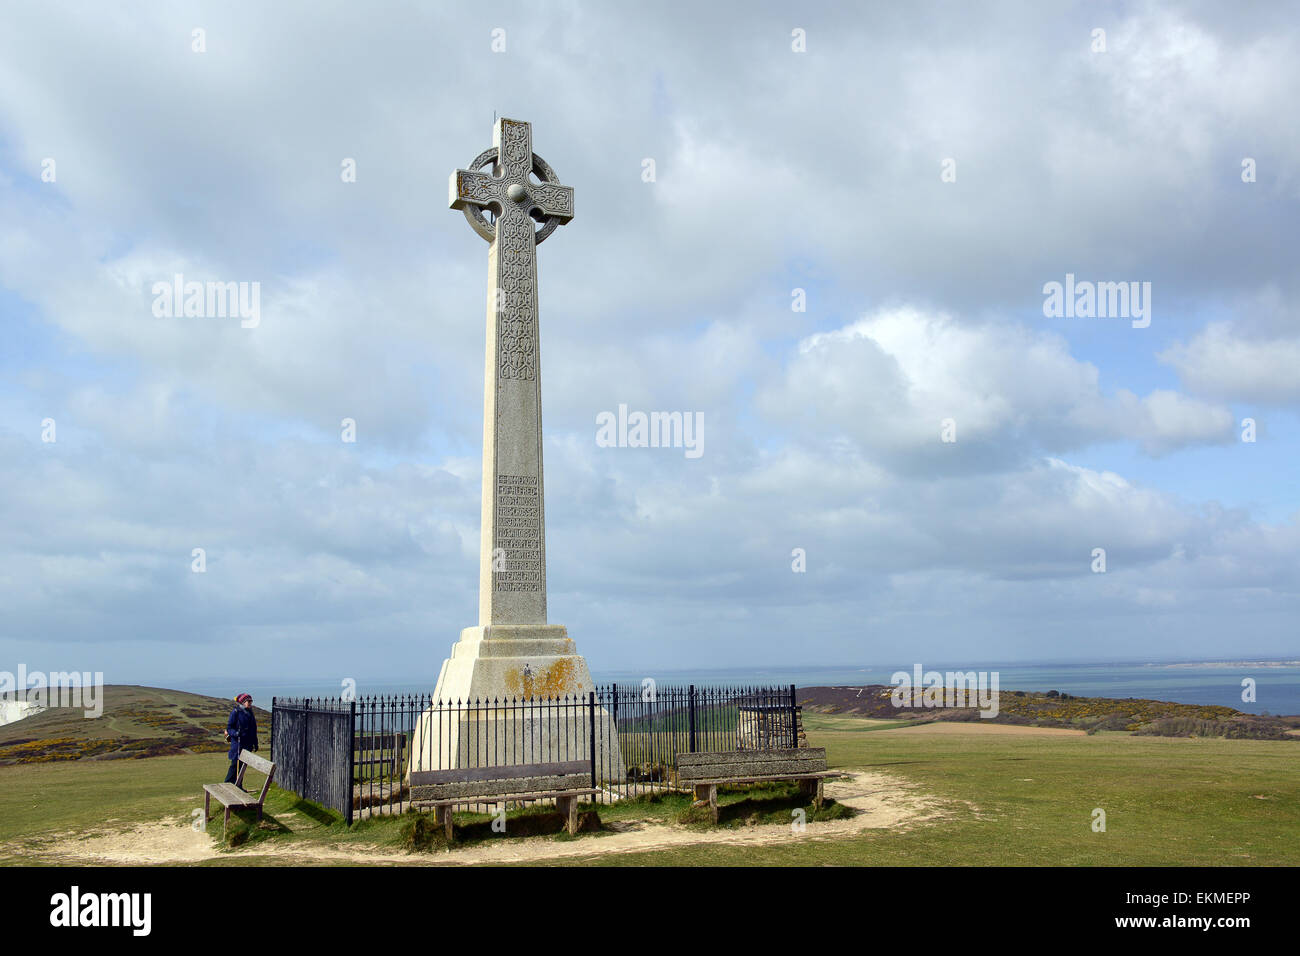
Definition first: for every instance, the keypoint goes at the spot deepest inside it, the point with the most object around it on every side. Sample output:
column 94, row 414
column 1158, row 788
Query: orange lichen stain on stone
column 513, row 688
column 559, row 679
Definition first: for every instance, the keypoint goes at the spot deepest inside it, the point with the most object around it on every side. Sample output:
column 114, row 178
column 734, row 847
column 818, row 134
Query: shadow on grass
column 314, row 811
column 740, row 806
column 663, row 805
column 762, row 804
column 419, row 832
column 245, row 828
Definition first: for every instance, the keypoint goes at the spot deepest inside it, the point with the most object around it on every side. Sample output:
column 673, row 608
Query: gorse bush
column 1113, row 722
column 1244, row 729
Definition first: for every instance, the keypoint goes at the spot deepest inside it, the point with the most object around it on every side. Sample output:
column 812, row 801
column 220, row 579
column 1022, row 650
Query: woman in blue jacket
column 241, row 731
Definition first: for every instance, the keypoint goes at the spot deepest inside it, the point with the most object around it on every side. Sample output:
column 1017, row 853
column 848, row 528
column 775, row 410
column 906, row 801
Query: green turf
column 1007, row 800
column 1013, row 800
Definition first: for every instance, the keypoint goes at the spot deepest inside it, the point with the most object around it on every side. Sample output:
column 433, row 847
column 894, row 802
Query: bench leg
column 207, row 805
column 448, row 827
column 811, row 787
column 224, row 824
column 568, row 807
column 708, row 792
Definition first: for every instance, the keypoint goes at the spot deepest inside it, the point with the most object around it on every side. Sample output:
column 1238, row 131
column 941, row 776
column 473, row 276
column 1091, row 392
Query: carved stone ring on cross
column 474, row 214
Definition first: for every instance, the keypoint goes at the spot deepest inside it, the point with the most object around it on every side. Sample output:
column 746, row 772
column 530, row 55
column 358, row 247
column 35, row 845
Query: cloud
column 1220, row 361
column 775, row 170
column 890, row 380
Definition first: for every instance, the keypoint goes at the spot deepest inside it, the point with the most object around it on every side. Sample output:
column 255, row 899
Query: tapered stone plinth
column 513, row 660
column 513, row 694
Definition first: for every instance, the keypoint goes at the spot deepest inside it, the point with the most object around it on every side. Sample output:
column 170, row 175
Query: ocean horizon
column 1277, row 683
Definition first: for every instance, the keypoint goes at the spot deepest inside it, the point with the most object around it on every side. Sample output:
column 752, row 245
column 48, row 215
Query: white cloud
column 1221, row 362
column 890, row 379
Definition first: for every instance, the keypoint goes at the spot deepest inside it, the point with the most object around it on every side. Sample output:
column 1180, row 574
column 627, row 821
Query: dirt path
column 883, row 801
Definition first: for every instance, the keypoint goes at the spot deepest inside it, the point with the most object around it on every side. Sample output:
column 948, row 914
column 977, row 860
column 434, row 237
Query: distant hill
column 1056, row 709
column 136, row 722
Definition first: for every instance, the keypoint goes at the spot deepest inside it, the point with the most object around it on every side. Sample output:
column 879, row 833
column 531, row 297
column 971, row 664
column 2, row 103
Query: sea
column 1276, row 683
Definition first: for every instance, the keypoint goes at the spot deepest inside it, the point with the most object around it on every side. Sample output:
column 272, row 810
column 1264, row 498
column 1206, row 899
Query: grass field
column 1029, row 799
column 1000, row 798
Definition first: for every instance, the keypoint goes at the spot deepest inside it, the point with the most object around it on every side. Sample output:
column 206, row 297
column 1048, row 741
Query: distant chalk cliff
column 12, row 710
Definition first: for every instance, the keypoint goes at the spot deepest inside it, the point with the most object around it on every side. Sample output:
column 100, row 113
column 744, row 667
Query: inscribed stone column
column 513, row 651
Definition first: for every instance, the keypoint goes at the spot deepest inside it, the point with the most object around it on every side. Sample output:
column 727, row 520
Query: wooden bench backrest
column 721, row 764
column 500, row 781
column 249, row 759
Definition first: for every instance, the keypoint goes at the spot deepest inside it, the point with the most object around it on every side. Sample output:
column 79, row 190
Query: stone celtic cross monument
column 512, row 652
column 513, row 529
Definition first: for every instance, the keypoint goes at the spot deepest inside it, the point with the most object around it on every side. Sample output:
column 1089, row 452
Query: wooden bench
column 564, row 782
column 704, row 771
column 231, row 796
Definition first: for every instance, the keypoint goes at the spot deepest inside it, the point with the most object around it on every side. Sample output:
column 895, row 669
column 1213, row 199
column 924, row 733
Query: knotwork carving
column 477, row 191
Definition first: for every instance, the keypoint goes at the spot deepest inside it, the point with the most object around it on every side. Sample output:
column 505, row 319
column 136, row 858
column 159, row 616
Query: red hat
column 243, row 697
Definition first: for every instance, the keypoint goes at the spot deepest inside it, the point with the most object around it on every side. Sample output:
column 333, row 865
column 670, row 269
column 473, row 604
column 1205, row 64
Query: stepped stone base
column 516, row 663
column 513, row 660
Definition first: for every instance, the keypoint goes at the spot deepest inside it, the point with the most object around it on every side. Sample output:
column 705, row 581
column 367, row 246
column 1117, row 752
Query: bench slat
column 260, row 764
column 473, row 788
column 744, row 756
column 826, row 775
column 721, row 765
column 473, row 774
column 503, row 797
column 755, row 759
column 765, row 767
column 228, row 795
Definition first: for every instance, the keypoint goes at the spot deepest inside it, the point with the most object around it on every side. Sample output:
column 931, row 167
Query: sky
column 841, row 260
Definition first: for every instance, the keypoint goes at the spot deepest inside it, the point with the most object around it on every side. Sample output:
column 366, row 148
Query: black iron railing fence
column 630, row 734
